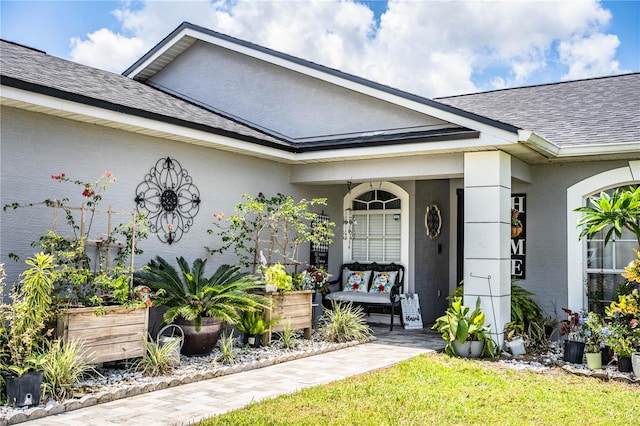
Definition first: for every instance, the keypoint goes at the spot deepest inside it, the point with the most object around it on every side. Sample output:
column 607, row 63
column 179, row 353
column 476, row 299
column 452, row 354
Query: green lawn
column 437, row 389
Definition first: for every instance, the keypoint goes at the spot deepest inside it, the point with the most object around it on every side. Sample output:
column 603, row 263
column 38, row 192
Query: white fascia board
column 538, row 143
column 160, row 52
column 403, row 149
column 551, row 150
column 600, row 149
column 64, row 107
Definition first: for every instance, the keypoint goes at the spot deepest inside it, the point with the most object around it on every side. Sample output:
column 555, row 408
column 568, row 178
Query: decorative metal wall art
column 171, row 199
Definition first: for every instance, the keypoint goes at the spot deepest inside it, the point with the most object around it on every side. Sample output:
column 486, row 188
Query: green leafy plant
column 253, row 323
column 459, row 324
column 91, row 271
column 344, row 322
column 611, row 213
column 64, row 366
column 288, row 337
column 524, row 309
column 277, row 276
column 25, row 323
column 192, row 296
column 274, row 227
column 227, row 355
column 158, row 358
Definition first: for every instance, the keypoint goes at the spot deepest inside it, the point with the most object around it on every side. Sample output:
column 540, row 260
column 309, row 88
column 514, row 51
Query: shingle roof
column 593, row 111
column 34, row 70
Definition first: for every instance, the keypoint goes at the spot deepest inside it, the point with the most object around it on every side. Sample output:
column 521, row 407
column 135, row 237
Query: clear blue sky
column 612, row 48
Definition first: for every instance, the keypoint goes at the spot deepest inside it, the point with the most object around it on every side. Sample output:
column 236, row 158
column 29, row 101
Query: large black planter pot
column 573, row 351
column 624, row 364
column 24, row 390
column 202, row 342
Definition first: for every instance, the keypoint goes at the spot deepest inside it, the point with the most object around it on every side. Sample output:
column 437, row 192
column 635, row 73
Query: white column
column 487, row 233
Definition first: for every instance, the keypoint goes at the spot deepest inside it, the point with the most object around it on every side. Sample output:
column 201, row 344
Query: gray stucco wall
column 283, row 101
column 432, row 256
column 35, row 146
column 546, row 243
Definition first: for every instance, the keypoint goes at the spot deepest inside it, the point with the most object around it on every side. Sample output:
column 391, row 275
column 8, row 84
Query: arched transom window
column 374, row 226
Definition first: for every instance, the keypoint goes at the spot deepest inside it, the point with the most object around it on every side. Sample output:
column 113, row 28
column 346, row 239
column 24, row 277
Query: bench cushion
column 359, row 297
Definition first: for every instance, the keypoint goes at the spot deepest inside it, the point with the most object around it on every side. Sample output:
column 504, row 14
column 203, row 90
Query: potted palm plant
column 200, row 305
column 465, row 333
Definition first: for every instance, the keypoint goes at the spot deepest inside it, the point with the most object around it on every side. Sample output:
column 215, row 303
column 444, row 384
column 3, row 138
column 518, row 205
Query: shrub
column 63, row 367
column 344, row 323
column 158, row 358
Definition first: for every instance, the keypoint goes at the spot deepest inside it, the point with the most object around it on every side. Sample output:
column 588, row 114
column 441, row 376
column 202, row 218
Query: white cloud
column 590, row 56
column 425, row 47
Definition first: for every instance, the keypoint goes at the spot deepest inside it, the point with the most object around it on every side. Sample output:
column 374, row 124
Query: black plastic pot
column 624, row 364
column 573, row 351
column 23, row 391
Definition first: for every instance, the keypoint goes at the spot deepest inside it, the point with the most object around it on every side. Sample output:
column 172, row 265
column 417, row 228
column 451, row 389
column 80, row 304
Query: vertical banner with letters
column 518, row 235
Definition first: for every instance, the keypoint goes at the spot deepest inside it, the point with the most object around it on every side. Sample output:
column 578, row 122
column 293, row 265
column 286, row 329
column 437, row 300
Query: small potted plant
column 316, row 279
column 253, row 325
column 465, row 333
column 595, row 335
column 574, row 344
column 514, row 338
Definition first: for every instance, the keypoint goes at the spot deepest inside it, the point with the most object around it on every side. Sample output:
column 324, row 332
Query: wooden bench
column 374, row 286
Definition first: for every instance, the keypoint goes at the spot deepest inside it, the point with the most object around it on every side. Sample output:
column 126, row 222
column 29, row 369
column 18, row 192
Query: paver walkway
column 192, row 402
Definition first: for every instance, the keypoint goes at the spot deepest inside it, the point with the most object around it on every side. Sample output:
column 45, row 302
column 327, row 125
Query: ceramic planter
column 635, row 363
column 199, row 342
column 594, row 360
column 516, row 346
column 468, row 349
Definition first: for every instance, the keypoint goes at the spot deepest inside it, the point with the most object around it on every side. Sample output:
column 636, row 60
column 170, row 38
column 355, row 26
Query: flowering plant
column 90, row 271
column 594, row 332
column 632, row 270
column 623, row 340
column 316, row 279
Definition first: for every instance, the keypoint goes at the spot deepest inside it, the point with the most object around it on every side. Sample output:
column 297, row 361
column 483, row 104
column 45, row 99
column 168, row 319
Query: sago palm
column 190, row 295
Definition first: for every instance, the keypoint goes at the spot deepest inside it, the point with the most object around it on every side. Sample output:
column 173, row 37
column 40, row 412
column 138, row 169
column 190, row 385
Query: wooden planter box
column 118, row 334
column 291, row 306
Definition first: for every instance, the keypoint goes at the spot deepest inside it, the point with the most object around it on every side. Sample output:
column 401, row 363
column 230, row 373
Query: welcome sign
column 518, row 243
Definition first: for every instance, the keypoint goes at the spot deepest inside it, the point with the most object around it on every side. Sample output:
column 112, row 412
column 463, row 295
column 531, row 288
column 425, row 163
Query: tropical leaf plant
column 458, row 324
column 610, row 214
column 190, row 295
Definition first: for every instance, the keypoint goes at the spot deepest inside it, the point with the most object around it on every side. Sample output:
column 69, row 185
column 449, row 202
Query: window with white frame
column 605, row 264
column 375, row 231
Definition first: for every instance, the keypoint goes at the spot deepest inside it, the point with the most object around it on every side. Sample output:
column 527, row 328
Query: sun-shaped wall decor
column 170, row 198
